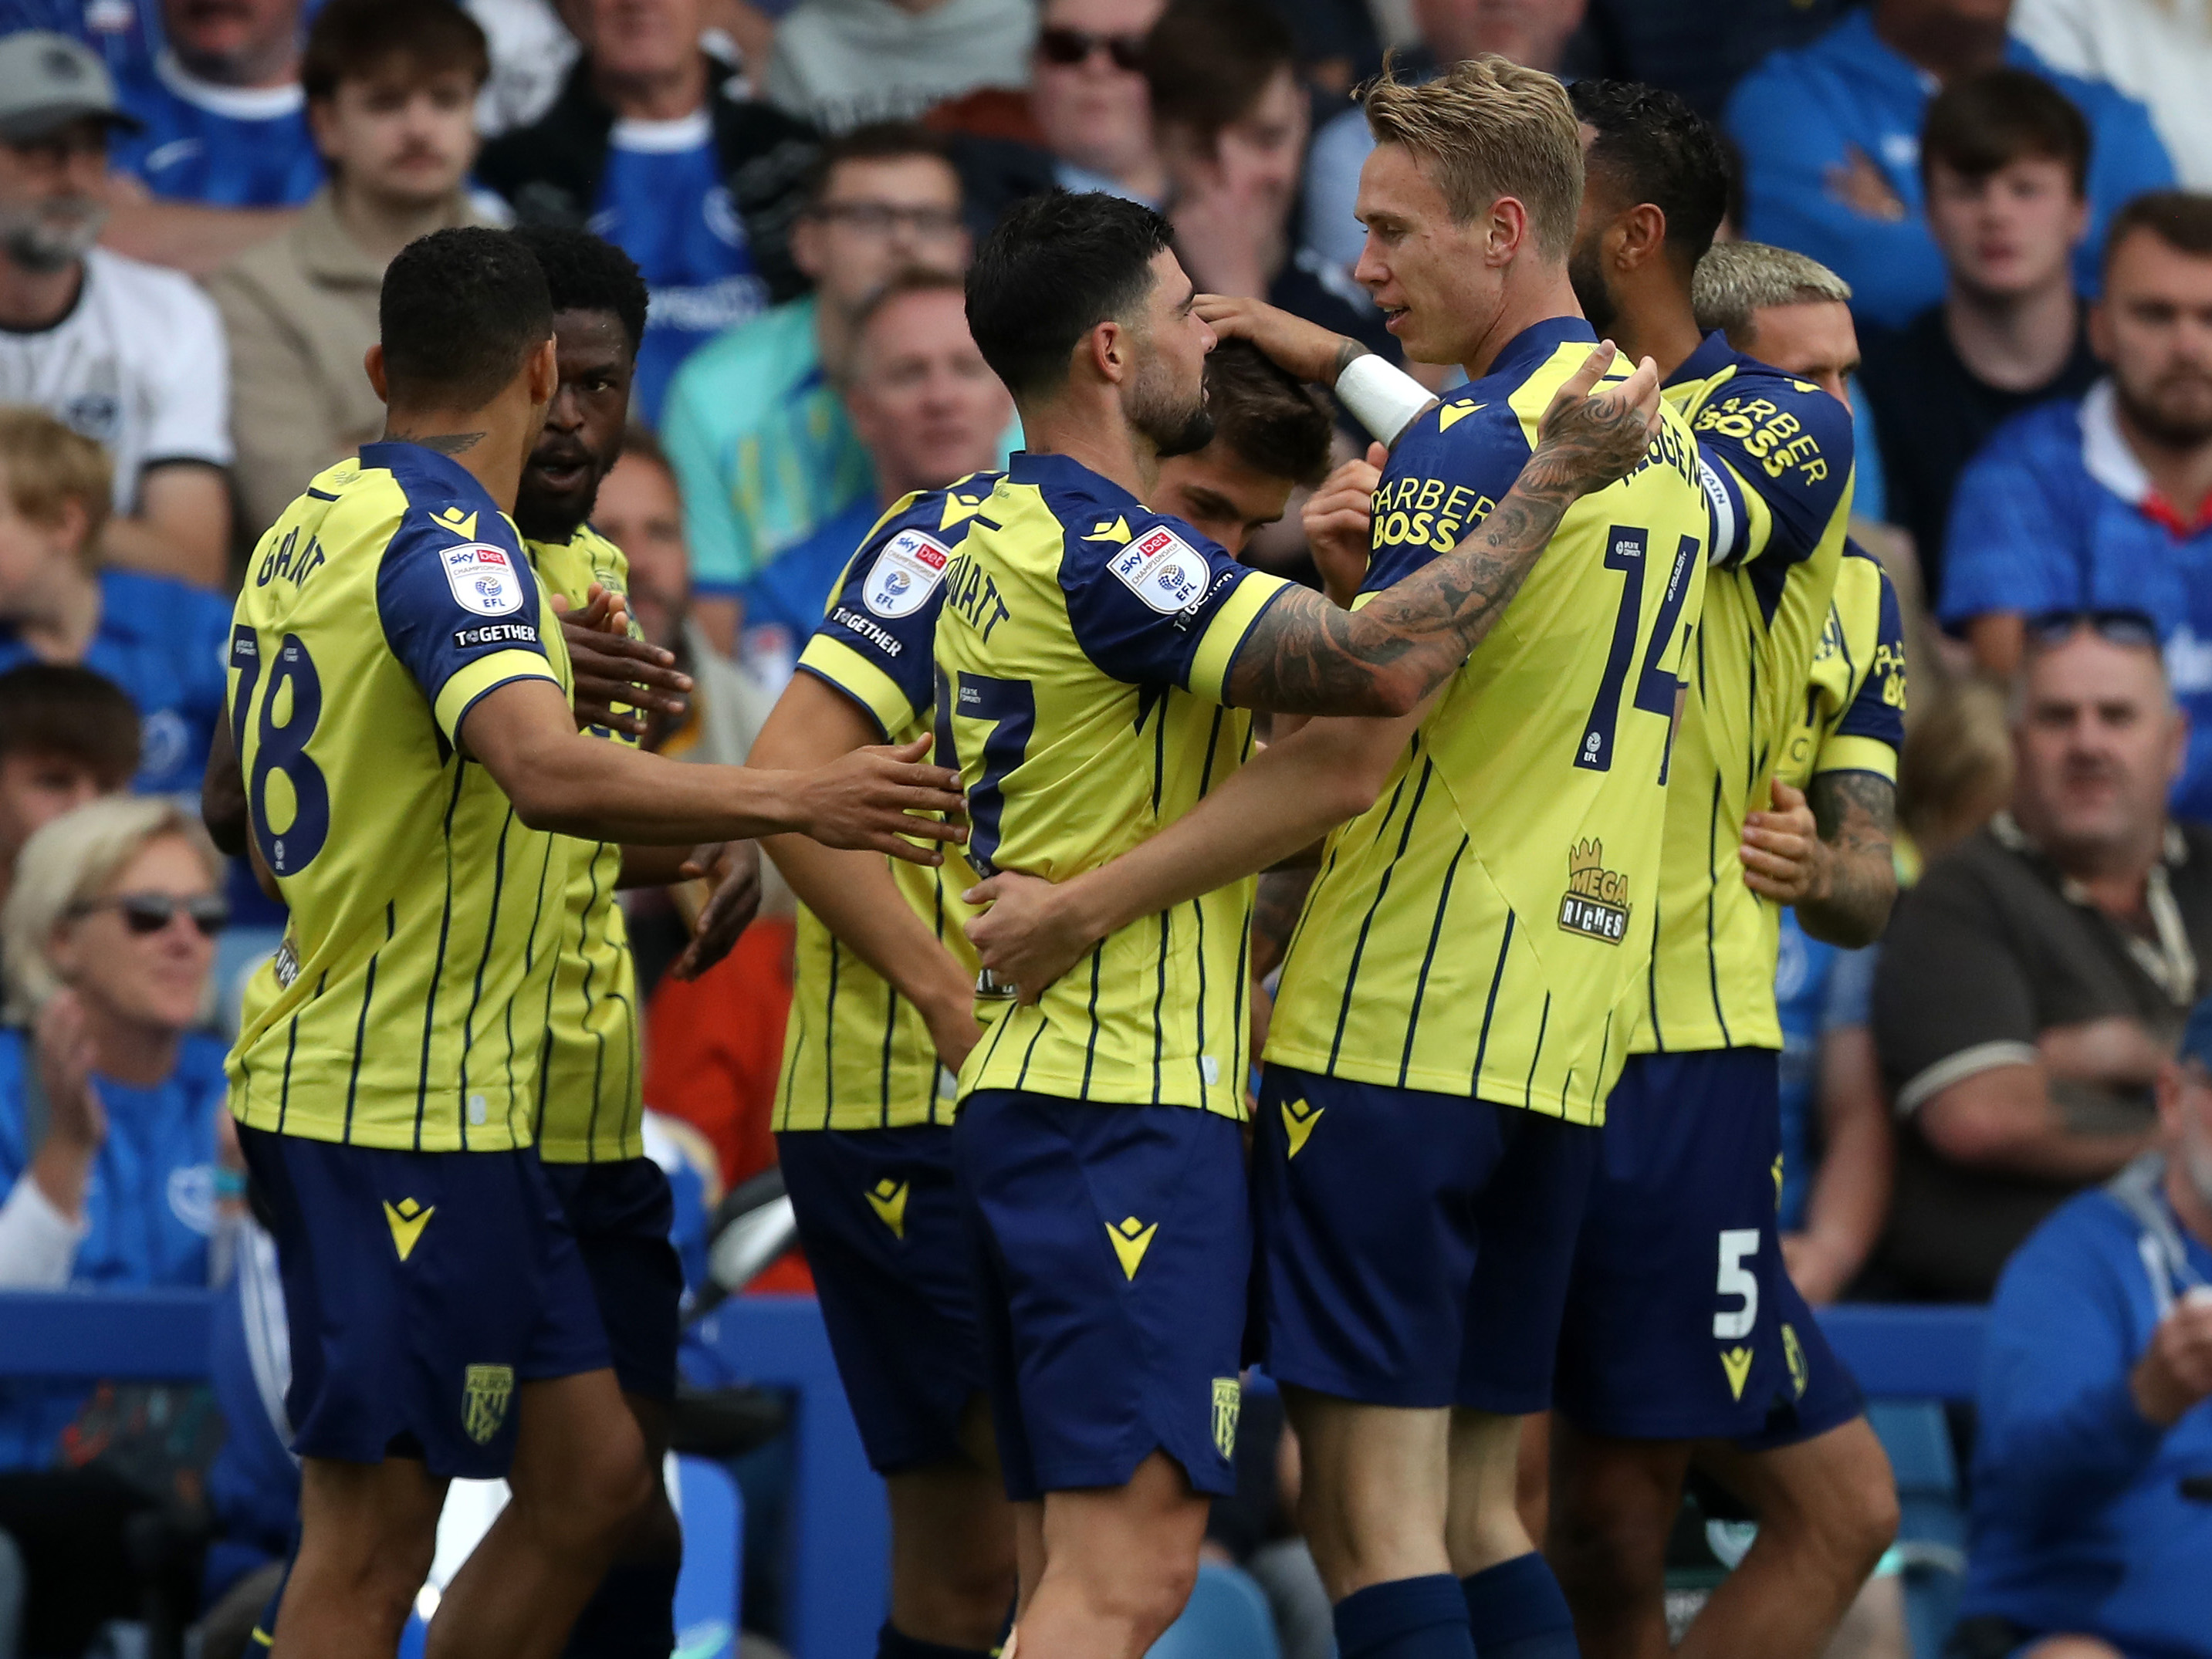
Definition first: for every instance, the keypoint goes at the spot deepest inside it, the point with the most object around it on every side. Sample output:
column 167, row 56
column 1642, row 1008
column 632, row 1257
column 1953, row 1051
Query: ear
column 2081, row 223
column 1638, row 236
column 2100, row 331
column 1106, row 352
column 544, row 372
column 373, row 361
column 71, row 525
column 1507, row 232
column 806, row 246
column 61, row 951
column 322, row 123
column 2177, row 760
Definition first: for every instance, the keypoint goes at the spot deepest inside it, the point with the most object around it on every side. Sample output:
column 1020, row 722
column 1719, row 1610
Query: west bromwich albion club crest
column 485, row 1391
column 1228, row 1402
column 1595, row 904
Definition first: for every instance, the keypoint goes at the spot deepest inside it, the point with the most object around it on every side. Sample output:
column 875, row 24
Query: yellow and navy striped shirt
column 406, row 1007
column 857, row 1055
column 1483, row 929
column 1082, row 655
column 1852, row 718
column 590, row 1102
column 1777, row 457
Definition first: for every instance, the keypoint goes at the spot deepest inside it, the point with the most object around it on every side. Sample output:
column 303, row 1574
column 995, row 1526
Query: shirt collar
column 1064, row 472
column 412, row 460
column 2171, row 961
column 2106, row 458
column 1536, row 343
column 231, row 103
column 1713, row 355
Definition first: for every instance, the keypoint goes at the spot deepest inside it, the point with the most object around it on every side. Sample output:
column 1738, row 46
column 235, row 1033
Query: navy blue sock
column 897, row 1645
column 1404, row 1618
column 632, row 1615
column 1518, row 1611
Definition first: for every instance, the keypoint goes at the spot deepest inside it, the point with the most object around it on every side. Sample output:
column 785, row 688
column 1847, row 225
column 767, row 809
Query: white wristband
column 1381, row 397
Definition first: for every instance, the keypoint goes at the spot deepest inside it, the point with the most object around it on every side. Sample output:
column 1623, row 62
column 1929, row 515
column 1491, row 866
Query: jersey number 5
column 1625, row 550
column 280, row 746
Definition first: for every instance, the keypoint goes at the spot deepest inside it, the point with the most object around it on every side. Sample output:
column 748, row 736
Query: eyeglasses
column 1068, row 47
column 2119, row 627
column 150, row 913
column 881, row 218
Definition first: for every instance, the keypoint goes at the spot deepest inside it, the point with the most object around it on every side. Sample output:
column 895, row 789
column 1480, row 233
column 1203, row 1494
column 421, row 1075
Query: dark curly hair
column 584, row 272
column 1657, row 148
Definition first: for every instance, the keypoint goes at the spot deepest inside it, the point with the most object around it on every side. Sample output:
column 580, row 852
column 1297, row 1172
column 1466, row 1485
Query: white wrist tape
column 1381, row 397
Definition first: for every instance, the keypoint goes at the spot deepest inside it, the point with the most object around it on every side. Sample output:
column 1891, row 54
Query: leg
column 1120, row 1562
column 2071, row 1647
column 1483, row 1525
column 1613, row 1502
column 952, row 1545
column 633, row 1612
column 1873, row 1625
column 579, row 1484
column 367, row 1535
column 1826, row 1509
column 1029, row 1552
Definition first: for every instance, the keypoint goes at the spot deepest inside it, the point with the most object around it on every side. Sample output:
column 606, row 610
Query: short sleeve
column 1454, row 464
column 188, row 417
column 1950, row 998
column 460, row 616
column 1165, row 606
column 874, row 642
column 1870, row 734
column 1790, row 444
column 2000, row 552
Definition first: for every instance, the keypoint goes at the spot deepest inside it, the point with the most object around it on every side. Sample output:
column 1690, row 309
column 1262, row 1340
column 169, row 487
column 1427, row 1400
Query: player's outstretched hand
column 1337, row 519
column 1783, row 853
column 1593, row 435
column 610, row 667
column 734, row 868
column 1028, row 936
column 1300, row 347
column 867, row 800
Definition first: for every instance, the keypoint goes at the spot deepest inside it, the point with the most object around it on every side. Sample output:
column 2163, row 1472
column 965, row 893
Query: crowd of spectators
column 2013, row 290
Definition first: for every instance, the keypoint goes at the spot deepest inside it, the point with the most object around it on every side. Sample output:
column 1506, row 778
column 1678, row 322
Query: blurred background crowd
column 197, row 199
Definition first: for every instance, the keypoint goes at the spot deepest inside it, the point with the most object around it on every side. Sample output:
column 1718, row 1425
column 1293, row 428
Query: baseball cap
column 47, row 81
column 2197, row 1035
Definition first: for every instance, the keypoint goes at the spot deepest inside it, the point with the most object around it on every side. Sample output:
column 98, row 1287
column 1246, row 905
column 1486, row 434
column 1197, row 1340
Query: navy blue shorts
column 1413, row 1247
column 1113, row 1248
column 421, row 1289
column 1675, row 1311
column 881, row 1222
column 1818, row 1391
column 621, row 1213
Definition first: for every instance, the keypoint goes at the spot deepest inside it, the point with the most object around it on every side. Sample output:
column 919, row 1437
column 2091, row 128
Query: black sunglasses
column 1068, row 47
column 150, row 913
column 2130, row 628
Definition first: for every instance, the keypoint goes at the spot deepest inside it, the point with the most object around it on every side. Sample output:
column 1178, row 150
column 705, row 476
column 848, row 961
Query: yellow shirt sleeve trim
column 1217, row 650
column 860, row 680
column 1847, row 754
column 459, row 695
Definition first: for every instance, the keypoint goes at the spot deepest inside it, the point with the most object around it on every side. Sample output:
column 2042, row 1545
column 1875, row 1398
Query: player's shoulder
column 436, row 498
column 899, row 567
column 1779, row 422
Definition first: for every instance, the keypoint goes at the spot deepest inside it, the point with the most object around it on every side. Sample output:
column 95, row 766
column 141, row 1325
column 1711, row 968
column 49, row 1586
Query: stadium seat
column 1931, row 1535
column 1227, row 1618
column 706, row 1595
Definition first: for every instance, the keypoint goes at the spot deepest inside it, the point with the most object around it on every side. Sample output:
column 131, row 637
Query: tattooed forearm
column 1305, row 656
column 1282, row 896
column 1856, row 812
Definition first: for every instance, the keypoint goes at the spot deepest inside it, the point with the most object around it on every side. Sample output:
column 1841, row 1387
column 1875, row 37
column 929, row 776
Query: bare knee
column 1144, row 1593
column 1834, row 1494
column 588, row 1488
column 2071, row 1647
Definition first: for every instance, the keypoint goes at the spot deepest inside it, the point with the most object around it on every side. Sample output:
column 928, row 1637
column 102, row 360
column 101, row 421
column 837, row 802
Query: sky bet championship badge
column 483, row 579
column 907, row 572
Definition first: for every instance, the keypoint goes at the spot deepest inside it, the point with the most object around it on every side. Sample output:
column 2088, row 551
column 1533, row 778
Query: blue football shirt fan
column 1802, row 117
column 663, row 201
column 2057, row 514
column 219, row 145
column 2086, row 1515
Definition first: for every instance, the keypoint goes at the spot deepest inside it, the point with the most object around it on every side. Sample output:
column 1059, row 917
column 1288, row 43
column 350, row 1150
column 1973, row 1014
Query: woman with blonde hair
column 112, row 1168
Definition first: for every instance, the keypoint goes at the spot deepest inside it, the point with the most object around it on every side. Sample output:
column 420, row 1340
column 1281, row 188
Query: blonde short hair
column 1488, row 128
column 44, row 465
column 67, row 863
column 1735, row 279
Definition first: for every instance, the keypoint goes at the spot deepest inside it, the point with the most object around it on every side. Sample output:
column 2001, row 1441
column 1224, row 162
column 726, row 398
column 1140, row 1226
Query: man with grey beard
column 2106, row 504
column 2033, row 984
column 129, row 355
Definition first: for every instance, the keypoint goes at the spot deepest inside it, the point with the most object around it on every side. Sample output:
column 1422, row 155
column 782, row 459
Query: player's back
column 857, row 1055
column 588, row 1108
column 1480, row 928
column 407, row 1005
column 1084, row 650
column 1778, row 455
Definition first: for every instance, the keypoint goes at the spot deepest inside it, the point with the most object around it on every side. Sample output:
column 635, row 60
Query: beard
column 2174, row 409
column 1176, row 426
column 1588, row 276
column 53, row 235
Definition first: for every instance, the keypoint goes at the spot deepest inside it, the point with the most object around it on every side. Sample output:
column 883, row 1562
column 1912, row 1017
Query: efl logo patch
column 482, row 578
column 907, row 572
column 1164, row 570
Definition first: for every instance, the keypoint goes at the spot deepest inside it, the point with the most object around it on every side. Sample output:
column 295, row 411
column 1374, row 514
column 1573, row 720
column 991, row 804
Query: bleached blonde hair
column 67, row 863
column 1487, row 128
column 1736, row 279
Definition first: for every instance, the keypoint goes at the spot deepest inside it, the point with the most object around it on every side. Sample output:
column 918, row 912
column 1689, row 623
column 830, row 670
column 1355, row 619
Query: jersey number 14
column 1624, row 551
